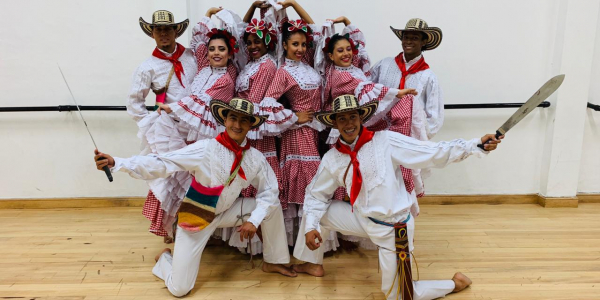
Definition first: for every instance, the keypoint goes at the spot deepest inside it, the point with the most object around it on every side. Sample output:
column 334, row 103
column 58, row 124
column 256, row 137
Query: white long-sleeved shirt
column 382, row 195
column 425, row 82
column 210, row 163
column 153, row 74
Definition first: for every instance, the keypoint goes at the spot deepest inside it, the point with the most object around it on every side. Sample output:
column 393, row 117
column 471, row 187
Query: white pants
column 180, row 270
column 339, row 217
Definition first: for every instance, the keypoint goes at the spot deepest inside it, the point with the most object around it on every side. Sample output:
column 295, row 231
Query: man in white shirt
column 168, row 72
column 423, row 117
column 221, row 167
column 368, row 165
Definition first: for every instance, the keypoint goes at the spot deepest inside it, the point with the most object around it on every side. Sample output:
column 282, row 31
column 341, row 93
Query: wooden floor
column 509, row 251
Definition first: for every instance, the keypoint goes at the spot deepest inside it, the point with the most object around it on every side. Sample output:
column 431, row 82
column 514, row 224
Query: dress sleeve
column 414, row 154
column 194, row 110
column 267, row 196
column 140, row 87
column 279, row 118
column 318, row 196
column 199, row 42
column 154, row 166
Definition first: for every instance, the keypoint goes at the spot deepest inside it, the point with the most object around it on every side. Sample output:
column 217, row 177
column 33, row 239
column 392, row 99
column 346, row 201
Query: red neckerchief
column 237, row 150
column 365, row 137
column 420, row 65
column 174, row 59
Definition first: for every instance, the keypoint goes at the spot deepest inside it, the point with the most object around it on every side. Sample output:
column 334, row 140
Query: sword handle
column 498, row 134
column 107, row 172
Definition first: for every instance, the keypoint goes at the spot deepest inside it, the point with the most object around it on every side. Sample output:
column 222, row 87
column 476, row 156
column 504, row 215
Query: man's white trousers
column 180, row 270
column 339, row 217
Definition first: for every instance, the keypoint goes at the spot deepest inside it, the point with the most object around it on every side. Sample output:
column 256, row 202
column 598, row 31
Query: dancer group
column 270, row 132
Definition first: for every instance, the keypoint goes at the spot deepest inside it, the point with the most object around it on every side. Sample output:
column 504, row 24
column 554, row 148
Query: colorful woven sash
column 198, row 207
column 404, row 272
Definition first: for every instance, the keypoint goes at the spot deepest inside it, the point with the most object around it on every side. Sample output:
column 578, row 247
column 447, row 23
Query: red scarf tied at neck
column 224, row 139
column 365, row 137
column 174, row 59
column 420, row 65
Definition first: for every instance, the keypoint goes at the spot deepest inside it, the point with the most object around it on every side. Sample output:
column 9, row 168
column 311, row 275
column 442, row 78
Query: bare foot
column 311, row 269
column 168, row 240
column 278, row 268
column 158, row 255
column 461, row 282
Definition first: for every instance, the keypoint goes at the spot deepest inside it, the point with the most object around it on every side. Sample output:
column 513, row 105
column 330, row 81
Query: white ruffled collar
column 261, row 59
column 220, row 70
column 347, row 69
column 292, row 62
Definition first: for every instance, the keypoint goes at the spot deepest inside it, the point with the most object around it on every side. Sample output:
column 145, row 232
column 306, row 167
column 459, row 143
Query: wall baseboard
column 72, row 203
column 427, row 200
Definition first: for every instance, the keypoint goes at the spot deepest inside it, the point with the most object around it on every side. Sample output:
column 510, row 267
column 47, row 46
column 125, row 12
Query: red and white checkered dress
column 252, row 84
column 300, row 84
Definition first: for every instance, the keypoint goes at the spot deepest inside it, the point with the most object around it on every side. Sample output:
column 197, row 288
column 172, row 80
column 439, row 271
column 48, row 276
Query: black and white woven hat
column 219, row 110
column 163, row 18
column 434, row 34
column 346, row 103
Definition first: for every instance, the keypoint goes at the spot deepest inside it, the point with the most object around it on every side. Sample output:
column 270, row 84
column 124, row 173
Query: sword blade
column 538, row 97
column 77, row 105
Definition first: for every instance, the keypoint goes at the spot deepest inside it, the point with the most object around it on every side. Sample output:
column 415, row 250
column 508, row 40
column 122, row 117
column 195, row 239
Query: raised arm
column 299, row 10
column 253, row 7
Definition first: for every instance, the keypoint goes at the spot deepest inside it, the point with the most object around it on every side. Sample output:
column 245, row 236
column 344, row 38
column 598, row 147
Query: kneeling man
column 221, row 167
column 368, row 165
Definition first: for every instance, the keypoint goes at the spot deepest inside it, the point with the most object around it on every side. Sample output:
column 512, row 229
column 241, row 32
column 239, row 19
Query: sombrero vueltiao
column 239, row 105
column 346, row 103
column 434, row 34
column 163, row 18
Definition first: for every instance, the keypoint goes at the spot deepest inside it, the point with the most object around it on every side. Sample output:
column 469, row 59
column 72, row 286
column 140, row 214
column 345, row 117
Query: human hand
column 305, row 117
column 247, row 230
column 163, row 107
column 490, row 142
column 311, row 238
column 287, row 3
column 102, row 160
column 405, row 92
column 213, row 10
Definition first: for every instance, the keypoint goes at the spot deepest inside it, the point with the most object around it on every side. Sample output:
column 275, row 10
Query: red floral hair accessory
column 263, row 30
column 233, row 45
column 301, row 25
column 347, row 36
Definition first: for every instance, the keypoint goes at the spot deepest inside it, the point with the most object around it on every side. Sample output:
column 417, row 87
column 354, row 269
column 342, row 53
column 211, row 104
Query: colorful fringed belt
column 404, row 272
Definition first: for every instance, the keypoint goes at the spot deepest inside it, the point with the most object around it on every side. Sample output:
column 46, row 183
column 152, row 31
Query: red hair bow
column 301, row 25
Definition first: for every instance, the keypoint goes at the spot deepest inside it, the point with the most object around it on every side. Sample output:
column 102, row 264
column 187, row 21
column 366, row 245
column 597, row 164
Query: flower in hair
column 353, row 45
column 233, row 45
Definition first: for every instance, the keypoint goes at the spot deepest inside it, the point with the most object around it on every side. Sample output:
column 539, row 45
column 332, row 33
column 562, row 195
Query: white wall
column 491, row 52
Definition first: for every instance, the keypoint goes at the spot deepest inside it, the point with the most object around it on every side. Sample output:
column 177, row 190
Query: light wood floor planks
column 509, row 251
